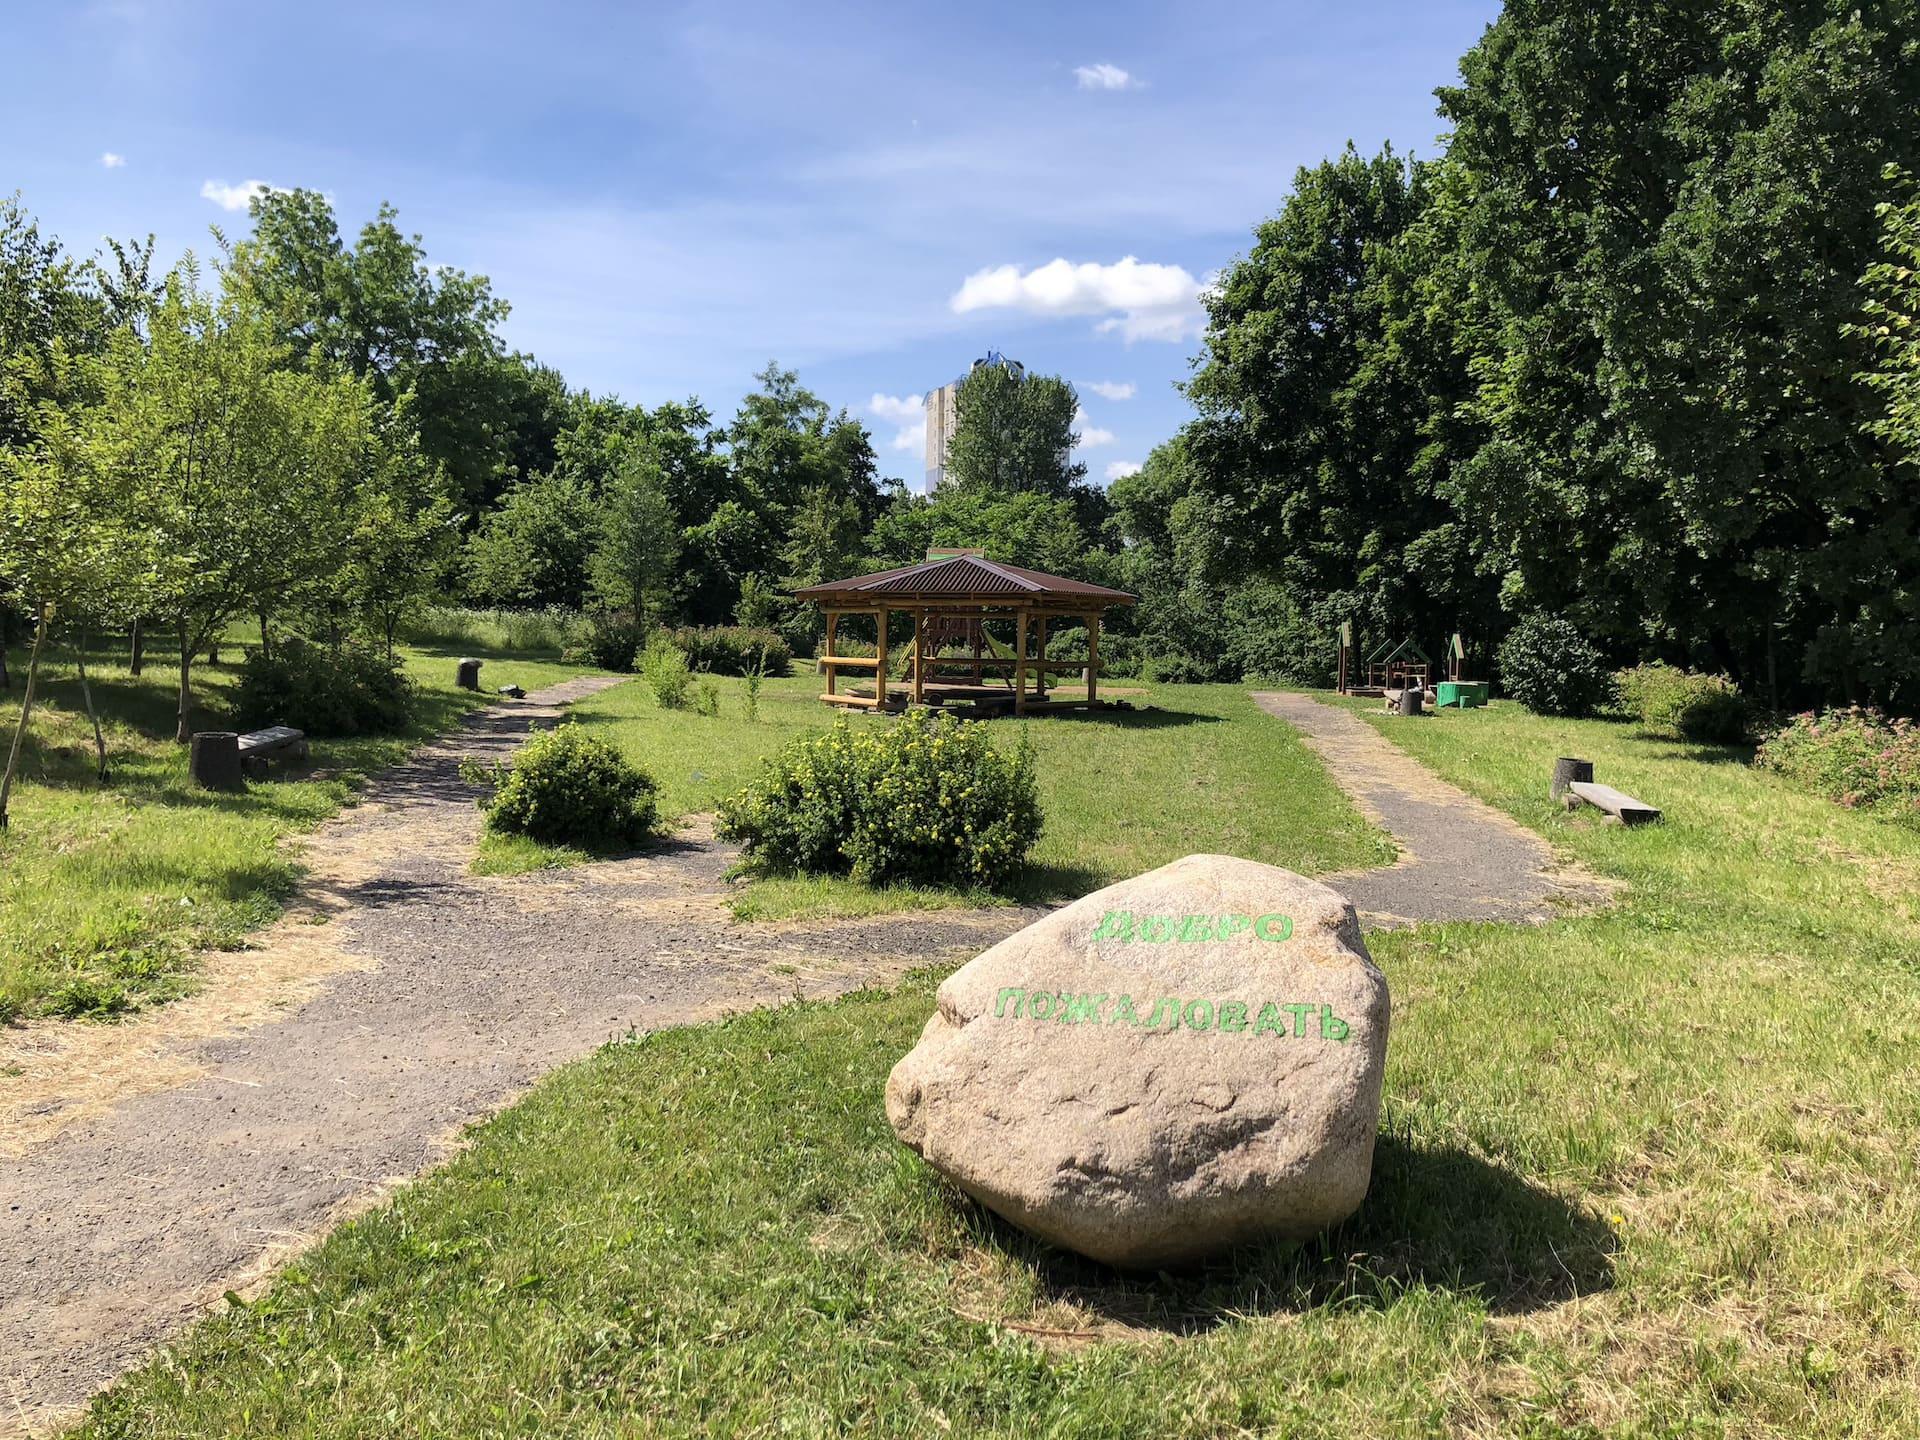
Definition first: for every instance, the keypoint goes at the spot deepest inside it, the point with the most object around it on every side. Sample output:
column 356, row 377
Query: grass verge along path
column 105, row 890
column 1649, row 1171
column 1194, row 769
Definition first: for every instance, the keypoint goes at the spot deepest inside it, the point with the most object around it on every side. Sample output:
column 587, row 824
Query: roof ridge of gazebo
column 1038, row 583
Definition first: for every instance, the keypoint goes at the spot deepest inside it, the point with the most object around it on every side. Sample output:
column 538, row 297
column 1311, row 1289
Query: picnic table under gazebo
column 950, row 599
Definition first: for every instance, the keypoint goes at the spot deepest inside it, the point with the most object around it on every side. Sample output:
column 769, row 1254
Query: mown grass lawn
column 1647, row 1172
column 1193, row 768
column 105, row 889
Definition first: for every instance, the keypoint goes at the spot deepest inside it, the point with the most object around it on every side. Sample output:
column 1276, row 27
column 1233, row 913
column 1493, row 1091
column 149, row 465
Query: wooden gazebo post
column 880, row 670
column 1020, row 661
column 1093, row 658
column 1040, row 654
column 919, row 653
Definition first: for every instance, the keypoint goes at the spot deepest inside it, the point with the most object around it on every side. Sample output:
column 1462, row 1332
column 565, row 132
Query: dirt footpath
column 1460, row 859
column 147, row 1168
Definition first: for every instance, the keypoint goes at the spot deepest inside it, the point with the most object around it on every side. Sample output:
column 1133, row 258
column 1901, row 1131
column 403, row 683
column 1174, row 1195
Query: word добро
column 1228, row 1016
column 1159, row 929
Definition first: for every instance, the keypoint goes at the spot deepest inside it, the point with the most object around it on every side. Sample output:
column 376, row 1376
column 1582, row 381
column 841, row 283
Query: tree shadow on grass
column 1667, row 747
column 1151, row 717
column 1438, row 1219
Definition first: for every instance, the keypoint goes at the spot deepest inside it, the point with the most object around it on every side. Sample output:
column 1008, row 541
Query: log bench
column 259, row 749
column 1617, row 803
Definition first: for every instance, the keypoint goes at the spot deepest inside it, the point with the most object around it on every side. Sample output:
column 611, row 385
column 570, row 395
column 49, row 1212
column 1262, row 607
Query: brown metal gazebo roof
column 963, row 577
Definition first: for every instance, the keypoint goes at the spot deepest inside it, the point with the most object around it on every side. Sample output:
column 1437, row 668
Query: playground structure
column 1393, row 667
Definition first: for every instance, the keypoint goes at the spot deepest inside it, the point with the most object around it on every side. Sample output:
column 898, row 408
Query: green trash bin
column 1460, row 694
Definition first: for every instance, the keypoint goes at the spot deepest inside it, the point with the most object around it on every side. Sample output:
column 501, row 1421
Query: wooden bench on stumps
column 260, row 749
column 1573, row 785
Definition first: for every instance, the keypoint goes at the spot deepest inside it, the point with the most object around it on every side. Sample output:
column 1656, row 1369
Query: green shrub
column 1858, row 757
column 733, row 649
column 665, row 669
column 926, row 800
column 614, row 641
column 1693, row 706
column 350, row 691
column 1551, row 668
column 1266, row 634
column 564, row 787
column 706, row 698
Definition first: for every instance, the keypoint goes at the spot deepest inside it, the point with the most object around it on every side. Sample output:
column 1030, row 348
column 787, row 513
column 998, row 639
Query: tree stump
column 1412, row 697
column 1565, row 772
column 214, row 760
column 467, row 677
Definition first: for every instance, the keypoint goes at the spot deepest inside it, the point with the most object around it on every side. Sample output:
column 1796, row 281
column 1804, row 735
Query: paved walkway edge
column 1460, row 858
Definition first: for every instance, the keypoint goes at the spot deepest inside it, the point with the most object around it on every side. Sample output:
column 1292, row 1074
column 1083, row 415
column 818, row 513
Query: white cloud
column 1142, row 301
column 897, row 407
column 1113, row 389
column 237, row 197
column 1104, row 77
column 1120, row 469
column 909, row 413
column 113, row 161
column 1090, row 433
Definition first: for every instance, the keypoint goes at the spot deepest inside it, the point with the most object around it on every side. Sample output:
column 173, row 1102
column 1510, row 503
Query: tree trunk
column 137, row 659
column 26, row 713
column 183, row 732
column 86, row 693
column 1773, row 673
column 266, row 640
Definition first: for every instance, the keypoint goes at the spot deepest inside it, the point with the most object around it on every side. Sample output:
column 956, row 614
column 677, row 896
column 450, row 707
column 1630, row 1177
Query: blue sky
column 671, row 195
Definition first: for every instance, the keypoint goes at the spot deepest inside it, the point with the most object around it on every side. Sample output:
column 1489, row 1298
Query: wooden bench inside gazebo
column 950, row 600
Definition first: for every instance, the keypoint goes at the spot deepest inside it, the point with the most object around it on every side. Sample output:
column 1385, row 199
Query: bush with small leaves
column 1693, row 706
column 668, row 675
column 350, row 691
column 565, row 787
column 614, row 641
column 1551, row 668
column 733, row 649
column 924, row 800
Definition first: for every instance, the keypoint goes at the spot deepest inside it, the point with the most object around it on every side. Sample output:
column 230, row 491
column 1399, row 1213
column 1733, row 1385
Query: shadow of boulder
column 1439, row 1219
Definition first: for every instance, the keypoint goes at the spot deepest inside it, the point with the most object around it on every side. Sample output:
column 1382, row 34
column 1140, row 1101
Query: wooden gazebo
column 951, row 597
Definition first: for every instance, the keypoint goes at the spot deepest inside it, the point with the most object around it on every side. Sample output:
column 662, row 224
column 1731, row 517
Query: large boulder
column 1169, row 1067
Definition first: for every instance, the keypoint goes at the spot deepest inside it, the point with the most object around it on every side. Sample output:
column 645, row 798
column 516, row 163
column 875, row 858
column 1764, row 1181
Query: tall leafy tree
column 404, row 526
column 632, row 562
column 1315, row 473
column 1891, row 325
column 1014, row 433
column 379, row 310
column 45, row 301
column 1654, row 224
column 244, row 466
column 71, row 538
column 535, row 549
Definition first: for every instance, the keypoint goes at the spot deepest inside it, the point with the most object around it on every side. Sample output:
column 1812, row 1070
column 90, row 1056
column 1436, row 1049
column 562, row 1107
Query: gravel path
column 1460, row 859
column 178, row 1157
